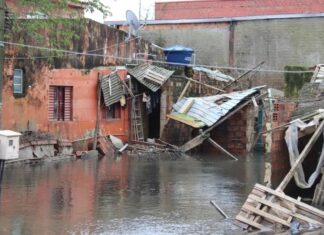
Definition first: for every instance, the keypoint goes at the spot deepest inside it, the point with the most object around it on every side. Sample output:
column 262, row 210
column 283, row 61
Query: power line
column 155, row 61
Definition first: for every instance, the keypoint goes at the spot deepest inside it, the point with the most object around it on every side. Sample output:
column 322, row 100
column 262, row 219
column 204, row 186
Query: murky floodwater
column 126, row 196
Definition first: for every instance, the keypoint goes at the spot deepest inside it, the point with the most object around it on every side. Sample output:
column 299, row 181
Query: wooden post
column 95, row 138
column 301, row 157
column 184, row 91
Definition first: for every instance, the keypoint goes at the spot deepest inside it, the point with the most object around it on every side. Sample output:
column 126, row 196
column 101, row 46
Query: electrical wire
column 69, row 52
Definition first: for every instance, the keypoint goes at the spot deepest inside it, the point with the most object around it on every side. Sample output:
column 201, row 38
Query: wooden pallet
column 267, row 208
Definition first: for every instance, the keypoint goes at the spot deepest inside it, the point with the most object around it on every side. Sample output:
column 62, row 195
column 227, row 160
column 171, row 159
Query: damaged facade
column 58, row 95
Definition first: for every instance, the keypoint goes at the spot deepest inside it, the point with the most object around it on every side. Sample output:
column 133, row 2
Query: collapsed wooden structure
column 267, row 208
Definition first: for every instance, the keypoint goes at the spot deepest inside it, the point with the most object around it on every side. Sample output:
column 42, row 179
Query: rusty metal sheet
column 214, row 74
column 112, row 89
column 207, row 109
column 147, row 73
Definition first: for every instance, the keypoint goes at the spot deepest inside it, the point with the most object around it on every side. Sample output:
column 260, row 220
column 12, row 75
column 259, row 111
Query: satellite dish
column 133, row 22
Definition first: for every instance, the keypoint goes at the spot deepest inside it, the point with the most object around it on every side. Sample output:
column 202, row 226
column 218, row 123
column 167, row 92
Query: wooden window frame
column 60, row 103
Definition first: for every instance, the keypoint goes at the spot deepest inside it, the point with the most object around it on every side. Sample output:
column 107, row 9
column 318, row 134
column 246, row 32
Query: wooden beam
column 250, row 222
column 301, row 157
column 283, row 209
column 221, row 148
column 266, row 215
column 299, row 204
column 184, row 91
column 247, row 72
column 204, row 84
column 96, row 133
column 128, row 89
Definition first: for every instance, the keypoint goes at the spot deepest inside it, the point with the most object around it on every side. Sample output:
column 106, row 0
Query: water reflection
column 126, row 196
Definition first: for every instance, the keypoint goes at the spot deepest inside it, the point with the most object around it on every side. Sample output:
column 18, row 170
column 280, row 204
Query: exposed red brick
column 200, row 9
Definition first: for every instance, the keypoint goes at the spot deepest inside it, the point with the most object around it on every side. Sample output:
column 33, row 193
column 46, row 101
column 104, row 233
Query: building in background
column 240, row 34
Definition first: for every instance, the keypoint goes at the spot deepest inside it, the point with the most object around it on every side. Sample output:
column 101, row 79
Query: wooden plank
column 204, row 84
column 307, row 131
column 210, row 140
column 301, row 205
column 192, row 124
column 267, row 215
column 301, row 157
column 283, row 210
column 249, row 222
column 258, row 192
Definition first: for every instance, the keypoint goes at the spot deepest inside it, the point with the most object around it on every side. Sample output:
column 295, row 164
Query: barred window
column 60, row 103
column 18, row 81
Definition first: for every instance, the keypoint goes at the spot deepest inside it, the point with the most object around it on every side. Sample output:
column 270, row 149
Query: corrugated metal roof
column 141, row 71
column 318, row 75
column 9, row 133
column 215, row 74
column 206, row 109
column 112, row 89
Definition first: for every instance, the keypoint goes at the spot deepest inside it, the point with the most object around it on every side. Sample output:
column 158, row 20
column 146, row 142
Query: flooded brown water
column 126, row 196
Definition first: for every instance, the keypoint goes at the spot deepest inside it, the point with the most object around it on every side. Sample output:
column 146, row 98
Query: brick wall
column 279, row 152
column 233, row 8
column 232, row 134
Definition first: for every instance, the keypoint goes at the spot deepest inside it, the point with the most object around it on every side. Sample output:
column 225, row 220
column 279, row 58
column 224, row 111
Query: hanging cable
column 155, row 61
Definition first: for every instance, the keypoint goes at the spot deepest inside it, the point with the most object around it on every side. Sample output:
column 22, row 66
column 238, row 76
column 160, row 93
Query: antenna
column 132, row 22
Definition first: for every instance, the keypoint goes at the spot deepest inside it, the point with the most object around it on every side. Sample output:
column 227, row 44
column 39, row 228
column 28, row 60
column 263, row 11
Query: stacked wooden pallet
column 266, row 208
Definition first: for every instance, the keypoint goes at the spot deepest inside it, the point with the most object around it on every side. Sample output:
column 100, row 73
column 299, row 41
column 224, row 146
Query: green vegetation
column 50, row 23
column 295, row 81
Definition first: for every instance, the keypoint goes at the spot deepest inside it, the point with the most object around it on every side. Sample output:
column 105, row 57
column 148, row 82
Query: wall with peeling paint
column 30, row 111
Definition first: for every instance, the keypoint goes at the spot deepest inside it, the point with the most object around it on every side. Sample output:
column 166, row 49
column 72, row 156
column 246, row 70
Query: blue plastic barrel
column 178, row 54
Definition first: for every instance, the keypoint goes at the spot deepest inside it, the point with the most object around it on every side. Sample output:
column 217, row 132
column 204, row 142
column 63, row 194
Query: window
column 60, row 103
column 18, row 81
column 10, row 142
column 112, row 112
column 36, row 15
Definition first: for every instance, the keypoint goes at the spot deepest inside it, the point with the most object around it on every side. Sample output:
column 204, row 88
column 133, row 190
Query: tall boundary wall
column 243, row 44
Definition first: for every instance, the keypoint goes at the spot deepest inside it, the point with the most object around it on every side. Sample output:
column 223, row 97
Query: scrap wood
column 221, row 148
column 257, row 210
column 204, row 84
column 96, row 133
column 241, row 76
column 219, row 209
column 305, row 117
column 167, row 144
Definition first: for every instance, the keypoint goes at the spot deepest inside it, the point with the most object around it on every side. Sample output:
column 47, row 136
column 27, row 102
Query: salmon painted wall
column 32, row 111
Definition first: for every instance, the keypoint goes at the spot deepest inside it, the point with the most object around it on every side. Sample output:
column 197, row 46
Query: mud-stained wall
column 29, row 111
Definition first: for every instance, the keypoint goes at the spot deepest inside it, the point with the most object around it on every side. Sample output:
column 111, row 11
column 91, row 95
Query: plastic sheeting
column 291, row 138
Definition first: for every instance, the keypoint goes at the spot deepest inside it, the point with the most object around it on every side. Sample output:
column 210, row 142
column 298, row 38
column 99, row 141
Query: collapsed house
column 232, row 111
column 298, row 151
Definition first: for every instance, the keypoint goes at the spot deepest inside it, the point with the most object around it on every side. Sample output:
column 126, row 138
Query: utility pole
column 140, row 10
column 2, row 24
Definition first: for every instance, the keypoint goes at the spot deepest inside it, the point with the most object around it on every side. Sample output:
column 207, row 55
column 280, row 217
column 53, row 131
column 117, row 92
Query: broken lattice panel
column 265, row 207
